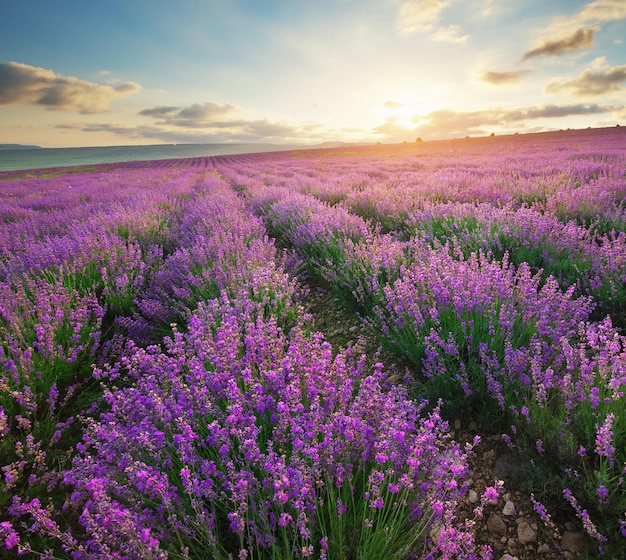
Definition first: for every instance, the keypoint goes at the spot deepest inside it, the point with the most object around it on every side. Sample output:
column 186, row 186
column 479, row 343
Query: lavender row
column 239, row 439
column 74, row 257
column 575, row 256
column 480, row 330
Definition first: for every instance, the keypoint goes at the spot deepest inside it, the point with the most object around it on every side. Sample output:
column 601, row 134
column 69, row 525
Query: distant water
column 13, row 160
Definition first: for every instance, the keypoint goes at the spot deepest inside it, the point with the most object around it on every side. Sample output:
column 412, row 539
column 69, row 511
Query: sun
column 406, row 111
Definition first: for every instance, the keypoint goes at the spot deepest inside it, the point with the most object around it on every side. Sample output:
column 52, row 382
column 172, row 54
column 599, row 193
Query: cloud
column 21, row 84
column 449, row 34
column 416, row 13
column 502, row 78
column 580, row 39
column 270, row 130
column 393, row 104
column 219, row 120
column 557, row 111
column 591, row 82
column 209, row 122
column 425, row 16
column 487, row 8
column 161, row 111
column 593, row 13
column 197, row 115
column 446, row 123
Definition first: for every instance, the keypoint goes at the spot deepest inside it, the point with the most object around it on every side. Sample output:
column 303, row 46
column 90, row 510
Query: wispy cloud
column 591, row 82
column 594, row 13
column 487, row 8
column 425, row 16
column 580, row 39
column 193, row 116
column 449, row 34
column 445, row 123
column 502, row 78
column 259, row 130
column 220, row 120
column 393, row 104
column 21, row 84
column 416, row 13
column 210, row 122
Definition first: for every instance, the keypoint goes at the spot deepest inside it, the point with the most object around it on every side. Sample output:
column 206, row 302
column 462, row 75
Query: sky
column 128, row 72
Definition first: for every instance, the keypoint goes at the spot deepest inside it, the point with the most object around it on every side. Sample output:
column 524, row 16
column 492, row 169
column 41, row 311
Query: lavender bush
column 241, row 439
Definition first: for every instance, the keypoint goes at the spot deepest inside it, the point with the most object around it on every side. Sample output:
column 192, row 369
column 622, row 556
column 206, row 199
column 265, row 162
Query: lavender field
column 165, row 393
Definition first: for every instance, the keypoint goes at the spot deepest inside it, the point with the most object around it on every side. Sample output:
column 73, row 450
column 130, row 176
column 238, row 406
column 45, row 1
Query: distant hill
column 6, row 147
column 336, row 144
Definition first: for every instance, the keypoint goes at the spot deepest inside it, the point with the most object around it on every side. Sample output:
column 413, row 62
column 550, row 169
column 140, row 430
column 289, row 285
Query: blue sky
column 120, row 72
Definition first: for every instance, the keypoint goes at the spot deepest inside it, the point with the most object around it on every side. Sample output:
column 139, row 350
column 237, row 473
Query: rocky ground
column 510, row 525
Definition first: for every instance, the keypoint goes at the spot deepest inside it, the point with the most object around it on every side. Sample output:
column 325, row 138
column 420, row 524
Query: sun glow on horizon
column 407, row 111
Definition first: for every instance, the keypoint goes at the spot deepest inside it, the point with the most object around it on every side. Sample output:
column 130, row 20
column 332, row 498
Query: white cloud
column 591, row 15
column 487, row 8
column 415, row 15
column 449, row 34
column 424, row 16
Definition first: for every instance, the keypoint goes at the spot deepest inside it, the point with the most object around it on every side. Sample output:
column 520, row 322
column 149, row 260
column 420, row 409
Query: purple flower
column 603, row 494
column 604, row 439
column 490, row 496
column 8, row 534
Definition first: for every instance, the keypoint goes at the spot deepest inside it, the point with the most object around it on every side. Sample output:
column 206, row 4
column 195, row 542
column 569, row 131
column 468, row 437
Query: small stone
column 435, row 532
column 507, row 556
column 509, row 509
column 569, row 526
column 526, row 534
column 472, row 496
column 457, row 424
column 573, row 541
column 543, row 549
column 505, row 466
column 353, row 329
column 496, row 525
column 503, row 540
column 473, row 426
